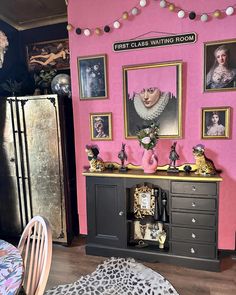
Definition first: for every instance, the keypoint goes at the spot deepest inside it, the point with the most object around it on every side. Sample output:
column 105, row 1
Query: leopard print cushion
column 118, row 276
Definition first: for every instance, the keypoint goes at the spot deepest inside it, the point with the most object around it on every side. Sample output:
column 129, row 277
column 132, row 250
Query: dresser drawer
column 194, row 250
column 194, row 188
column 193, row 219
column 193, row 234
column 193, row 203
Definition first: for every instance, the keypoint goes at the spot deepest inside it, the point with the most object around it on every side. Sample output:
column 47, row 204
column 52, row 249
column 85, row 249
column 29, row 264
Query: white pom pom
column 229, row 10
column 116, row 24
column 181, row 14
column 204, row 17
column 163, row 4
column 134, row 11
column 143, row 3
column 87, row 32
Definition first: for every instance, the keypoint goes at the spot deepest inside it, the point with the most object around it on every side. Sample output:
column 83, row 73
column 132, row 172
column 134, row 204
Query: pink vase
column 149, row 161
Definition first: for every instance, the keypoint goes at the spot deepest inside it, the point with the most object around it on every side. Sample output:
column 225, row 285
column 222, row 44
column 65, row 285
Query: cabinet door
column 106, row 211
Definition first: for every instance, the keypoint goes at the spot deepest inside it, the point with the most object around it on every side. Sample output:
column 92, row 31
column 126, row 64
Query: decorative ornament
column 163, row 4
column 69, row 27
column 98, row 31
column 87, row 32
column 181, row 14
column 171, row 7
column 116, row 24
column 143, row 3
column 125, row 15
column 78, row 31
column 217, row 13
column 107, row 29
column 229, row 10
column 204, row 17
column 134, row 11
column 192, row 15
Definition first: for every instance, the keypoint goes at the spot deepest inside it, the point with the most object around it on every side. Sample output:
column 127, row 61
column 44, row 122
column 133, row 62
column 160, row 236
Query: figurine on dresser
column 173, row 158
column 122, row 155
column 96, row 163
column 204, row 165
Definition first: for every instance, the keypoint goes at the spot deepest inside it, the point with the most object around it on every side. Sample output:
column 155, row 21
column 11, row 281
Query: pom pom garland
column 181, row 13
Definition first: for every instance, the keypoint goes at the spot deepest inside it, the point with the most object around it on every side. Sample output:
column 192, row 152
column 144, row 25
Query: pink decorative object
column 149, row 161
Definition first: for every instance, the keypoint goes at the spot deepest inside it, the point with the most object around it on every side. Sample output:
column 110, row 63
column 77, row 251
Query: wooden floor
column 70, row 263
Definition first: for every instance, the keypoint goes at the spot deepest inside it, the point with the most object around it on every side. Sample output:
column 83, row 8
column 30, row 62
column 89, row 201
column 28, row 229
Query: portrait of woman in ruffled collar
column 153, row 94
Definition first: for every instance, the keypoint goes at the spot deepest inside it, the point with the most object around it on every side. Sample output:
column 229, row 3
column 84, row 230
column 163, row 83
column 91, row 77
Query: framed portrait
column 220, row 65
column 146, row 231
column 215, row 123
column 93, row 77
column 47, row 55
column 144, row 202
column 153, row 92
column 101, row 126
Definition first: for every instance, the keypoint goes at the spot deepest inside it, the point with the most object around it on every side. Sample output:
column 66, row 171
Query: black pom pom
column 192, row 15
column 107, row 29
column 78, row 31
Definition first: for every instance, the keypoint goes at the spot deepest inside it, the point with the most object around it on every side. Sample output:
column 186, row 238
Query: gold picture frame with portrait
column 219, row 66
column 215, row 123
column 144, row 202
column 153, row 92
column 101, row 126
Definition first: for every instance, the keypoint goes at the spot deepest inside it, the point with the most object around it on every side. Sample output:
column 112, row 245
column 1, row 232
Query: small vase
column 149, row 161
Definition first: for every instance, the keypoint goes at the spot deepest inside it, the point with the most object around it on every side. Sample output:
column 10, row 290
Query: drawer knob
column 193, row 188
column 121, row 213
column 193, row 204
column 193, row 236
column 193, row 220
column 192, row 250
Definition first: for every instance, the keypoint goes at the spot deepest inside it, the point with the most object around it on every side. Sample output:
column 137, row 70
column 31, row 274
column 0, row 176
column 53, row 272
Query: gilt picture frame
column 215, row 123
column 219, row 66
column 163, row 83
column 92, row 74
column 48, row 55
column 101, row 126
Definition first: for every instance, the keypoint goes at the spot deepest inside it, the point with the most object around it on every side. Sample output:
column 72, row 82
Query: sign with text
column 155, row 42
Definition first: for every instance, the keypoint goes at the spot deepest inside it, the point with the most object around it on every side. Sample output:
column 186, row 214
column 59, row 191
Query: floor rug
column 118, row 276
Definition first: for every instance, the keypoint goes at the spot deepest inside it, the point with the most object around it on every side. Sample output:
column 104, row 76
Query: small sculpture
column 164, row 214
column 173, row 157
column 204, row 165
column 122, row 156
column 187, row 169
column 96, row 164
column 161, row 236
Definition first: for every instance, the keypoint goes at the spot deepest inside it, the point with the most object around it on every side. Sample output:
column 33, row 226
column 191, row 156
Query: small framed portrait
column 93, row 77
column 144, row 202
column 47, row 55
column 220, row 65
column 101, row 126
column 215, row 123
column 153, row 92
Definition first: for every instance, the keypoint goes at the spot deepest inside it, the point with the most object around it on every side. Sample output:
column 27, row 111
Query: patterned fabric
column 11, row 269
column 120, row 276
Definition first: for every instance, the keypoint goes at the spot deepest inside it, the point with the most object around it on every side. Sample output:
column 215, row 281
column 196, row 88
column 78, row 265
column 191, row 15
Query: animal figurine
column 204, row 165
column 96, row 164
column 122, row 156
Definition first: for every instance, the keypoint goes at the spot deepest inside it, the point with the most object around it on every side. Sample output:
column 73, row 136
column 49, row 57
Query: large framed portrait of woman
column 220, row 65
column 153, row 93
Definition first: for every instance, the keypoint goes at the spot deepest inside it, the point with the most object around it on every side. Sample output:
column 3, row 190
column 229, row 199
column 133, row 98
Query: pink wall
column 91, row 14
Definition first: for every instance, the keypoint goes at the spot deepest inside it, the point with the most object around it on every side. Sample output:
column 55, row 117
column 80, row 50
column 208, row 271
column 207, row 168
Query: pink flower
column 146, row 140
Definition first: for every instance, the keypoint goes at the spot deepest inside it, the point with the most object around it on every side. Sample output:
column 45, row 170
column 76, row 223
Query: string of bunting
column 134, row 11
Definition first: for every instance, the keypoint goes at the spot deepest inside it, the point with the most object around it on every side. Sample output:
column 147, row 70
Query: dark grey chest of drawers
column 193, row 217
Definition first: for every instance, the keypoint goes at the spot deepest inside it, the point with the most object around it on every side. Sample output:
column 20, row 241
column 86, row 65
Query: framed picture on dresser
column 216, row 123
